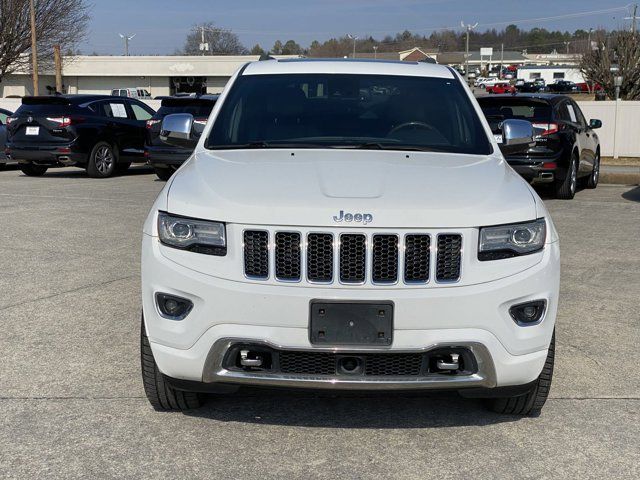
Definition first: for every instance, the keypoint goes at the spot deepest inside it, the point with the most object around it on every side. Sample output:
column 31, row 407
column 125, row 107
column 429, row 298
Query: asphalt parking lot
column 71, row 399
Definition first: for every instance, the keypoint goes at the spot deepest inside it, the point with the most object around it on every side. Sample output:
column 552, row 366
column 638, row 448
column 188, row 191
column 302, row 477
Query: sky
column 162, row 25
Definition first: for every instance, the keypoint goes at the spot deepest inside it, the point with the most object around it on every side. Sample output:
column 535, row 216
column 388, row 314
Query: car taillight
column 200, row 121
column 152, row 122
column 545, row 128
column 63, row 121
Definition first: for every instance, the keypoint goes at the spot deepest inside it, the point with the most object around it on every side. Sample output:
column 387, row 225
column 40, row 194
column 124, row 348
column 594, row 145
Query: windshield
column 348, row 111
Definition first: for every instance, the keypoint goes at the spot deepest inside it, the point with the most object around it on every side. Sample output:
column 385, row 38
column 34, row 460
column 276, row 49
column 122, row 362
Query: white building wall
column 571, row 74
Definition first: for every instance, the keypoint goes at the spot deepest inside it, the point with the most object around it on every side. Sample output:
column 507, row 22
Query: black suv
column 563, row 86
column 566, row 149
column 164, row 158
column 100, row 133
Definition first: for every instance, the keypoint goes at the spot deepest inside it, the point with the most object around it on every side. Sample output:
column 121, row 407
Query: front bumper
column 475, row 316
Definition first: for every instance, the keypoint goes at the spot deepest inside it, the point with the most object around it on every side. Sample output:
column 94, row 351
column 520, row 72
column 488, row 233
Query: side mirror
column 595, row 123
column 517, row 136
column 177, row 130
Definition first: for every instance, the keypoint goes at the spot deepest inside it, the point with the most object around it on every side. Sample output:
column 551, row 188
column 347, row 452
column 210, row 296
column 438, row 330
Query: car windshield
column 349, row 111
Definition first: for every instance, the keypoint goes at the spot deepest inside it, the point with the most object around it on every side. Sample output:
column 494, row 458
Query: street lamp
column 375, row 52
column 354, row 38
column 617, row 82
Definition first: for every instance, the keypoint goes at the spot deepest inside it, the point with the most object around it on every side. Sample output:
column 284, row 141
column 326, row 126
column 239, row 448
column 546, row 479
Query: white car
column 348, row 225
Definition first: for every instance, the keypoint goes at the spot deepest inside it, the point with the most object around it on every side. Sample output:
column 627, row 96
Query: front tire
column 102, row 161
column 32, row 170
column 164, row 173
column 162, row 396
column 566, row 189
column 531, row 402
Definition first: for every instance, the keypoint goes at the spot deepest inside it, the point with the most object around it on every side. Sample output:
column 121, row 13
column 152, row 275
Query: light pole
column 354, row 38
column 589, row 40
column 375, row 52
column 126, row 39
column 34, row 47
column 469, row 27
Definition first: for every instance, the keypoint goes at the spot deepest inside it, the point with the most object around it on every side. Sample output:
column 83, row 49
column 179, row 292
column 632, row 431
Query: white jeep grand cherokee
column 348, row 225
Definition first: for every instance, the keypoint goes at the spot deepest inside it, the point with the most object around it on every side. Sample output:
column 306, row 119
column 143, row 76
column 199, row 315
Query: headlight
column 505, row 241
column 200, row 236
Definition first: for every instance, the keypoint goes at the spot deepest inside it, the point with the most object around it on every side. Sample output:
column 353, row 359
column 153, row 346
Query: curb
column 619, row 178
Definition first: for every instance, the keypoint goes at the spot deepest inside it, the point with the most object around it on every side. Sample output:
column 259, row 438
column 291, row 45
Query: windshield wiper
column 264, row 144
column 393, row 146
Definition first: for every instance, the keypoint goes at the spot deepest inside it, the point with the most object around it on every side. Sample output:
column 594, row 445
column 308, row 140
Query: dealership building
column 159, row 75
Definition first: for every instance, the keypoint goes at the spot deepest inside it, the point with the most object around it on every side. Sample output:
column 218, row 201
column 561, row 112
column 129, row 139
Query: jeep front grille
column 352, row 258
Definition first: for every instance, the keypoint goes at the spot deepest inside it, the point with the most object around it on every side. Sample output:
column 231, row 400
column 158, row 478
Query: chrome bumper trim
column 214, row 372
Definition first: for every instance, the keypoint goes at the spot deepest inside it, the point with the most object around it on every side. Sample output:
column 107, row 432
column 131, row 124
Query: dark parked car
column 100, row 133
column 3, row 135
column 562, row 86
column 530, row 87
column 567, row 148
column 164, row 158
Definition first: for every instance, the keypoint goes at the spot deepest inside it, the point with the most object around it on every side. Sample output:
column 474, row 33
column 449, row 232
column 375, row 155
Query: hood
column 310, row 187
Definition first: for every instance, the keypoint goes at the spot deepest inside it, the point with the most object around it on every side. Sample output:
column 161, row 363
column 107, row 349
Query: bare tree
column 220, row 41
column 618, row 55
column 61, row 22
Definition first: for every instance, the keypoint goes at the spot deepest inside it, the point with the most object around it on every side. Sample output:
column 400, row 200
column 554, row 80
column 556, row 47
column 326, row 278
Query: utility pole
column 633, row 18
column 126, row 39
column 375, row 52
column 204, row 46
column 354, row 38
column 34, row 47
column 589, row 40
column 469, row 27
column 57, row 59
column 501, row 58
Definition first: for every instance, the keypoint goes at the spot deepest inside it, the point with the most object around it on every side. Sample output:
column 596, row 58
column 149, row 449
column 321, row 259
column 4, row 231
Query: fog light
column 172, row 307
column 528, row 313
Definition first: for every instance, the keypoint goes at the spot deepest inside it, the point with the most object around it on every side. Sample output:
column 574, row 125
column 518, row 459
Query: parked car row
column 104, row 134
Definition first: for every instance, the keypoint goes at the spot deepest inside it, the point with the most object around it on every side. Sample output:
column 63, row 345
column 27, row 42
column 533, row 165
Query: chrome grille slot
column 449, row 257
column 287, row 248
column 256, row 254
column 353, row 258
column 417, row 261
column 320, row 257
column 385, row 259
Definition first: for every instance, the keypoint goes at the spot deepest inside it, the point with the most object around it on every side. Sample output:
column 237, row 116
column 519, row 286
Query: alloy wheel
column 104, row 159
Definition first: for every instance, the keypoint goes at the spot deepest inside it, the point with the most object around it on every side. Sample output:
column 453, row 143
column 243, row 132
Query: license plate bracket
column 351, row 323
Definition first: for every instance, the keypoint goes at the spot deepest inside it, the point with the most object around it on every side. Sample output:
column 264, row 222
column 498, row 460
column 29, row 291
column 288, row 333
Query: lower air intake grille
column 320, row 257
column 416, row 258
column 385, row 258
column 288, row 256
column 256, row 254
column 308, row 363
column 449, row 257
column 393, row 364
column 353, row 254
